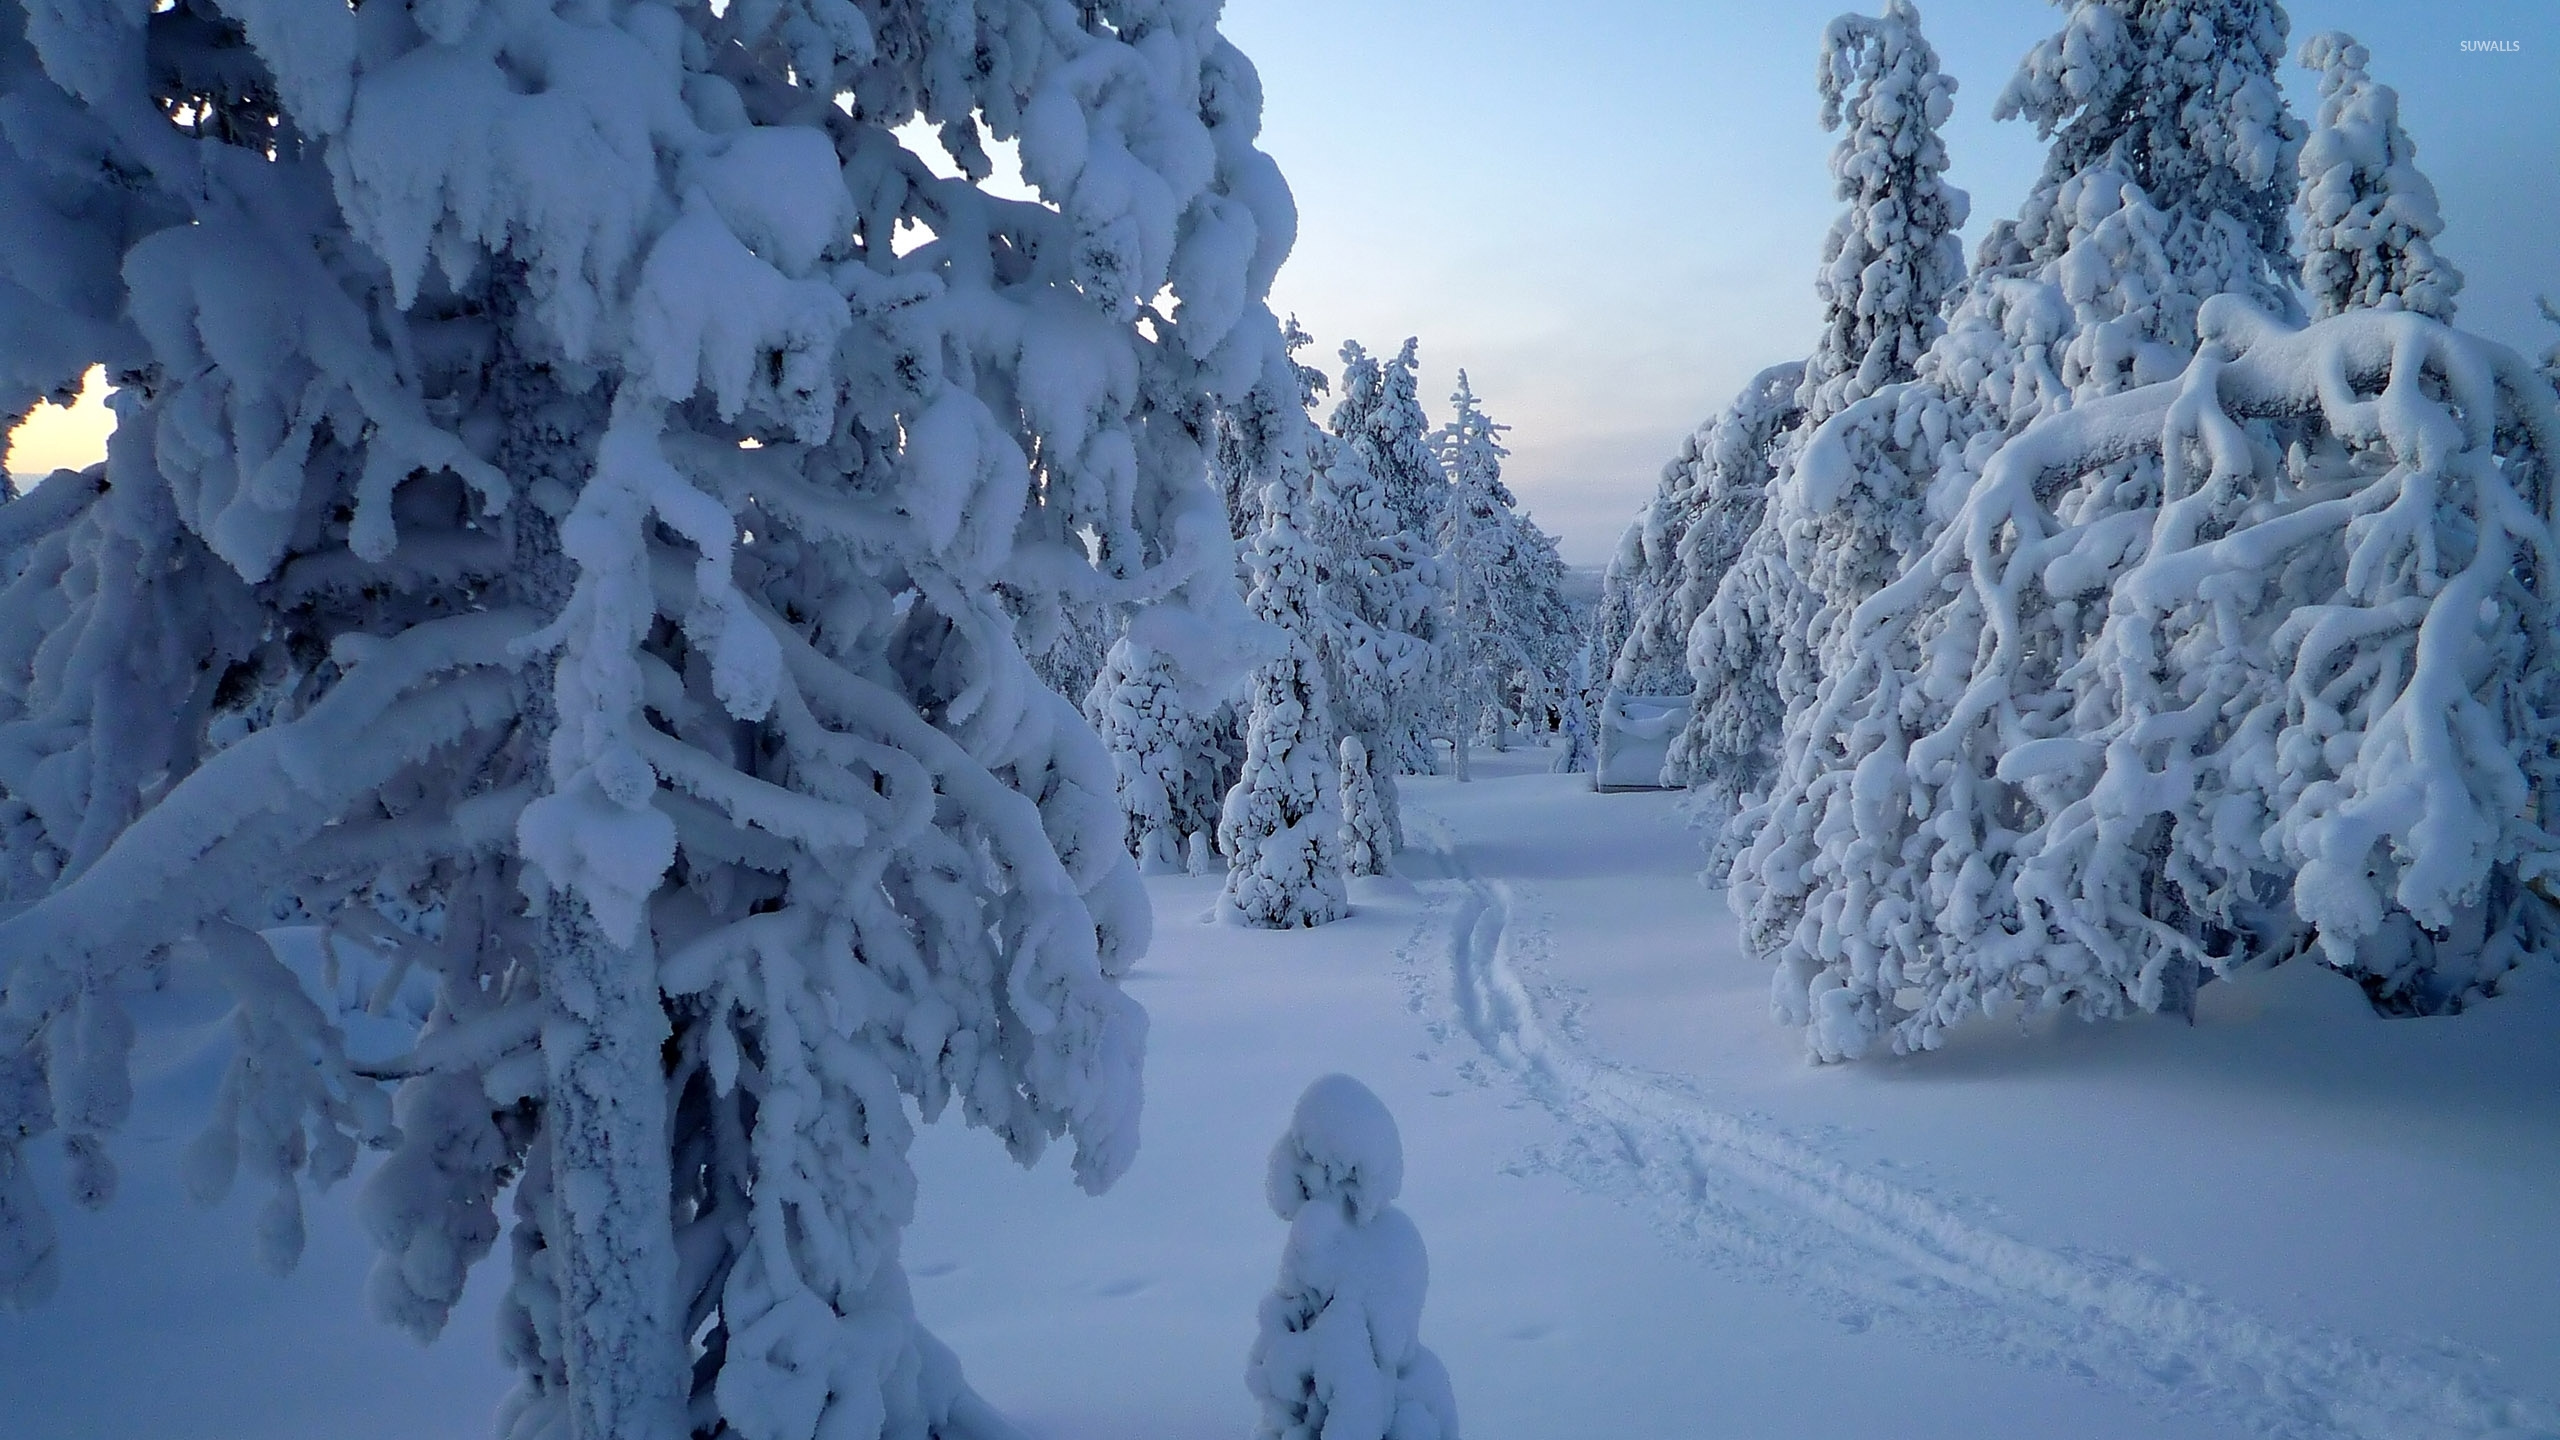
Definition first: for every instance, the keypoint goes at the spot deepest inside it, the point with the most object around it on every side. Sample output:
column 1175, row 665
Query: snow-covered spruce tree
column 1754, row 642
column 1383, row 594
column 1582, row 701
column 1161, row 751
column 2369, row 217
column 552, row 540
column 1339, row 1355
column 1400, row 450
column 1368, row 839
column 2170, row 180
column 1281, row 826
column 2102, row 737
column 1370, row 669
column 1511, row 632
column 1644, row 573
column 1402, row 594
column 1893, row 255
column 1250, row 430
column 2550, row 357
column 1719, row 749
column 1067, row 643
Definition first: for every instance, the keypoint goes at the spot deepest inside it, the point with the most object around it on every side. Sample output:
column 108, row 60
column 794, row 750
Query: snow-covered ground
column 1648, row 1217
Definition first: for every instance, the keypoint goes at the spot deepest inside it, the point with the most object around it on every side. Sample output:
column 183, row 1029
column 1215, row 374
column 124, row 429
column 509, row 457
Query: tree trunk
column 603, row 1046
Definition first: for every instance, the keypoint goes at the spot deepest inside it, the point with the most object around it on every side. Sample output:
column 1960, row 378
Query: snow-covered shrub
column 2247, row 663
column 2369, row 217
column 579, row 489
column 1281, row 826
column 1339, row 1355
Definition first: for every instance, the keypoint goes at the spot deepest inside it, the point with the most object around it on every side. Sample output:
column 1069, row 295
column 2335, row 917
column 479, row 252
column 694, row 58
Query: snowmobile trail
column 1752, row 1197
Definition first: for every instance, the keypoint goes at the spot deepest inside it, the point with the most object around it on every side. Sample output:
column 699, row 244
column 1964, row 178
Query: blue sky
column 1609, row 212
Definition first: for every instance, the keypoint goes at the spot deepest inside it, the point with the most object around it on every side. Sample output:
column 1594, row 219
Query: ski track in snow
column 1753, row 1197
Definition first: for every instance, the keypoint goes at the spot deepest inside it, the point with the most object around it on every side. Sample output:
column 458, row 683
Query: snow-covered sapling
column 1368, row 843
column 1339, row 1355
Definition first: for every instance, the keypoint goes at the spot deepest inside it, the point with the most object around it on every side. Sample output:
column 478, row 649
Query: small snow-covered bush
column 1340, row 1355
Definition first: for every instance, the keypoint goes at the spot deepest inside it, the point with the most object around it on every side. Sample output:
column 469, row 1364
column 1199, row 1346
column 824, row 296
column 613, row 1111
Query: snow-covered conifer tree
column 1893, row 255
column 1160, row 748
column 1399, row 445
column 1383, row 596
column 1751, row 635
column 2101, row 738
column 1644, row 574
column 1068, row 643
column 2550, row 357
column 1389, row 582
column 1281, row 827
column 1339, row 1355
column 1582, row 701
column 1511, row 632
column 555, row 541
column 2369, row 217
column 1729, row 464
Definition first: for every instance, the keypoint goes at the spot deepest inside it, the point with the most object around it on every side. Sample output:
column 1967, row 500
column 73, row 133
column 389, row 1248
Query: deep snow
column 1647, row 1216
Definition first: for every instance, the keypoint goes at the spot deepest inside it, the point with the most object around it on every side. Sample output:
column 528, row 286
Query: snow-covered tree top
column 2179, row 97
column 2369, row 216
column 1341, row 1147
column 1471, row 449
column 1892, row 256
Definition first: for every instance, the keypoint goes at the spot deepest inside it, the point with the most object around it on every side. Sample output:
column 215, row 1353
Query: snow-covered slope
column 1649, row 1217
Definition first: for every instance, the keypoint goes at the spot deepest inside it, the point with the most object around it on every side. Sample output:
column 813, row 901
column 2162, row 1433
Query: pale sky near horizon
column 1609, row 213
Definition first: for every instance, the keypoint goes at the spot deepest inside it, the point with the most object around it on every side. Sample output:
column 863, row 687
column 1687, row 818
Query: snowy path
column 1752, row 1197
